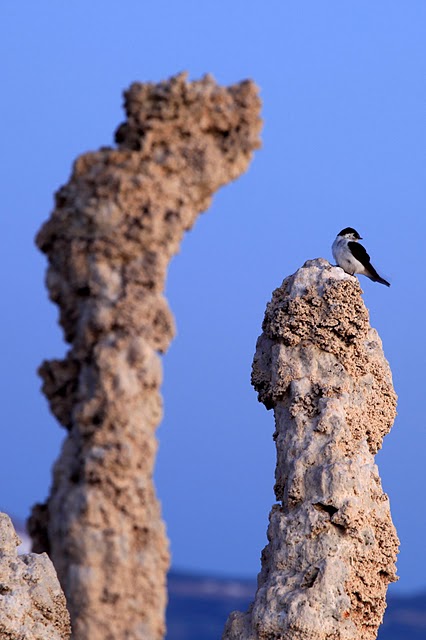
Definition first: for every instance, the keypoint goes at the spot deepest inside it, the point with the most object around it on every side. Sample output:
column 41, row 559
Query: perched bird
column 352, row 257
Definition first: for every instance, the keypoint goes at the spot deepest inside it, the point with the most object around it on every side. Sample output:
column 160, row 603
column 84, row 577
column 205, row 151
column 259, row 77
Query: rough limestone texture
column 332, row 545
column 32, row 604
column 116, row 225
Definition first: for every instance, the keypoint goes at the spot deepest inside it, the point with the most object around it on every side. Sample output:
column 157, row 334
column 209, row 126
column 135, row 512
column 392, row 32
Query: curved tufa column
column 116, row 225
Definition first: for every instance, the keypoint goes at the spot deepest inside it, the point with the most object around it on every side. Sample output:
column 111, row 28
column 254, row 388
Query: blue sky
column 344, row 106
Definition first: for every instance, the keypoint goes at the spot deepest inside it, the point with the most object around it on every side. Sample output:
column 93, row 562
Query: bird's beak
column 360, row 238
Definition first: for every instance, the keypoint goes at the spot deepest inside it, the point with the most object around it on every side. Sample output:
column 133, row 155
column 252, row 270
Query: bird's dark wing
column 359, row 253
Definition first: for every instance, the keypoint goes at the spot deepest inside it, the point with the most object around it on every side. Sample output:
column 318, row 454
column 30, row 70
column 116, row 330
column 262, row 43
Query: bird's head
column 350, row 234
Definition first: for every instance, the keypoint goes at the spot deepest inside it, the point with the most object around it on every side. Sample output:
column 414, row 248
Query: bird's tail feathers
column 381, row 280
column 374, row 276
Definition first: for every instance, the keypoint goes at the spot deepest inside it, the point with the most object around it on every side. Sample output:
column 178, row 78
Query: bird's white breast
column 344, row 257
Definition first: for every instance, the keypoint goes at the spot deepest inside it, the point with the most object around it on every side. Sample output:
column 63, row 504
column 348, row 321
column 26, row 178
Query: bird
column 352, row 257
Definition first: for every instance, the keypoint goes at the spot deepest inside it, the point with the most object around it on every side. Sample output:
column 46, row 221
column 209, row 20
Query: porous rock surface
column 116, row 225
column 32, row 604
column 332, row 545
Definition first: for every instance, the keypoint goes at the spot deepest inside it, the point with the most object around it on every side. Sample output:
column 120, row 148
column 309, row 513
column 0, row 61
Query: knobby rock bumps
column 115, row 227
column 332, row 545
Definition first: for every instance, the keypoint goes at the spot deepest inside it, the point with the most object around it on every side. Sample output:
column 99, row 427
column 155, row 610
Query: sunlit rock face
column 32, row 603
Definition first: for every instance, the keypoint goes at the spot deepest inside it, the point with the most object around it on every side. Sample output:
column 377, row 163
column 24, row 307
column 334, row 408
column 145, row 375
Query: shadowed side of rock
column 32, row 604
column 116, row 225
column 332, row 545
